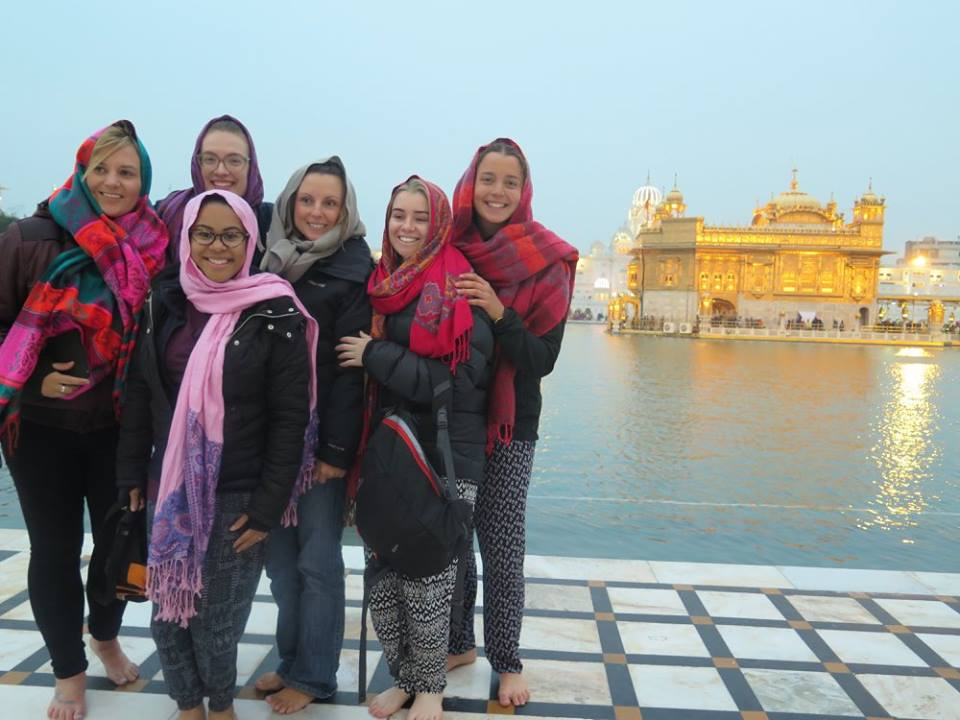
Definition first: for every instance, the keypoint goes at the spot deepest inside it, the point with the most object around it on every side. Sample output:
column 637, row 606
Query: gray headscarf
column 290, row 256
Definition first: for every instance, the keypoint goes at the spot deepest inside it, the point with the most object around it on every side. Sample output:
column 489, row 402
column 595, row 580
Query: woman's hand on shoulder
column 350, row 350
column 481, row 294
column 58, row 384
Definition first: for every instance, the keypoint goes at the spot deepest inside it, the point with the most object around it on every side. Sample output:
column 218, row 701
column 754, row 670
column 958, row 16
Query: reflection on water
column 907, row 452
column 785, row 453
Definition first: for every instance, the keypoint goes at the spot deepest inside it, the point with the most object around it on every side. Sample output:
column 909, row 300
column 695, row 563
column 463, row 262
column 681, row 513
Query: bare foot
column 68, row 701
column 227, row 714
column 289, row 701
column 388, row 702
column 119, row 667
column 195, row 713
column 426, row 706
column 455, row 661
column 268, row 682
column 513, row 690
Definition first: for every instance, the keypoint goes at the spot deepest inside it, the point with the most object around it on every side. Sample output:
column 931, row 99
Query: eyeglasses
column 230, row 238
column 234, row 161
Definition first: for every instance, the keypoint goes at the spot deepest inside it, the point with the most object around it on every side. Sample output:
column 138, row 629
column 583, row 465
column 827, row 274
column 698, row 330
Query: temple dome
column 795, row 199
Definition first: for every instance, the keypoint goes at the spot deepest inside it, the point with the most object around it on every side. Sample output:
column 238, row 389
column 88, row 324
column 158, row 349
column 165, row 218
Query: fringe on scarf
column 306, row 478
column 174, row 587
column 10, row 433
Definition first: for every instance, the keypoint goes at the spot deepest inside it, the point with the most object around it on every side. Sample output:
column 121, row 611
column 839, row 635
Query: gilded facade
column 796, row 256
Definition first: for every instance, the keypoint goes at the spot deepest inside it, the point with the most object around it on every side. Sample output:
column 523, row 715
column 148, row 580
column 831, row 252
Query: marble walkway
column 606, row 639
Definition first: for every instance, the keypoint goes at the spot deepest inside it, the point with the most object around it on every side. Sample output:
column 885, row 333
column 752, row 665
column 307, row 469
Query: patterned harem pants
column 500, row 518
column 411, row 617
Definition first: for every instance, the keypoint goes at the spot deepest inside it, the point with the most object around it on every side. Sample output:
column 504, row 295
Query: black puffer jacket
column 534, row 357
column 266, row 379
column 334, row 292
column 405, row 379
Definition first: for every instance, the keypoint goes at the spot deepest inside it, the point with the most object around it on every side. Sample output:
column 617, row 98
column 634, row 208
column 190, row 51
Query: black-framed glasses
column 230, row 238
column 233, row 161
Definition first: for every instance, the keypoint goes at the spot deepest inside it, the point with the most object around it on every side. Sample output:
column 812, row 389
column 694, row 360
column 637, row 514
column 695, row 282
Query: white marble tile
column 17, row 645
column 919, row 698
column 349, row 671
column 541, row 566
column 765, row 643
column 260, row 710
column 946, row 646
column 351, row 627
column 823, row 608
column 939, row 583
column 23, row 611
column 138, row 615
column 470, row 681
column 558, row 597
column 263, row 619
column 249, row 657
column 13, row 575
column 137, row 649
column 12, row 539
column 850, row 580
column 719, row 574
column 738, row 605
column 578, row 683
column 565, row 635
column 353, row 557
column 263, row 587
column 687, row 688
column 922, row 613
column 646, row 601
column 647, row 638
column 870, row 648
column 354, row 587
column 800, row 692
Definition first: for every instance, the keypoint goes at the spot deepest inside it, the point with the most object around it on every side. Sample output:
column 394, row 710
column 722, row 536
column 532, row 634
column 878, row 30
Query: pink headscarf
column 191, row 463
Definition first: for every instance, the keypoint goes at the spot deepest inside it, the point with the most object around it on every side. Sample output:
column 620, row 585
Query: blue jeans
column 305, row 567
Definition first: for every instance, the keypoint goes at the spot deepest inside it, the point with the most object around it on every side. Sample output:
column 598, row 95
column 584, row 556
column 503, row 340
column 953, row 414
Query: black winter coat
column 534, row 357
column 404, row 378
column 266, row 380
column 334, row 292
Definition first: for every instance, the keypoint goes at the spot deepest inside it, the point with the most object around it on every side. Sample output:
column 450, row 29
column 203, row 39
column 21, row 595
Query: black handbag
column 118, row 566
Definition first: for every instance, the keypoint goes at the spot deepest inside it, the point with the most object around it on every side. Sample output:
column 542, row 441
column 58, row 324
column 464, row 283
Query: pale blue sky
column 728, row 95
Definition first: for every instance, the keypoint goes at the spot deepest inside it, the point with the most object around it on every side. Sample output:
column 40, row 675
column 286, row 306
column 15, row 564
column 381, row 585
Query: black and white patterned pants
column 500, row 519
column 411, row 617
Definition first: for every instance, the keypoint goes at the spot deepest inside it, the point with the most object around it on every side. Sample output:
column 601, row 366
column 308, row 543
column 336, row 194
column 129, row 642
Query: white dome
column 644, row 208
column 648, row 194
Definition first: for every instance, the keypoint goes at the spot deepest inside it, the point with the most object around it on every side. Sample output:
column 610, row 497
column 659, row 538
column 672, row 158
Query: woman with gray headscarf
column 316, row 242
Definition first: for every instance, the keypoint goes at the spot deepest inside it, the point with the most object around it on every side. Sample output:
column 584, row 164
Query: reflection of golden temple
column 796, row 256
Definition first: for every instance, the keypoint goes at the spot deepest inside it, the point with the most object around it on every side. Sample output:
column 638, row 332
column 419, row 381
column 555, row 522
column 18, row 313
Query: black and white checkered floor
column 611, row 639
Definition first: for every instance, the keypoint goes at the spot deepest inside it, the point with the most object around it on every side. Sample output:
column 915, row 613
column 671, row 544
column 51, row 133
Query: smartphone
column 64, row 348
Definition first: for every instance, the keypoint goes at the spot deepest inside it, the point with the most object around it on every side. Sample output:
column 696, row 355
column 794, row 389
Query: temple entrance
column 864, row 316
column 722, row 308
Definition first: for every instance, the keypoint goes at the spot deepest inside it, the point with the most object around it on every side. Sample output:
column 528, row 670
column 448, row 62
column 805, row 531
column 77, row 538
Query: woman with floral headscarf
column 316, row 242
column 73, row 280
column 419, row 318
column 523, row 281
column 217, row 435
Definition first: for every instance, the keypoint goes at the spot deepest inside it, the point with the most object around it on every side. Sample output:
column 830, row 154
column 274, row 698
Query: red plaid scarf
column 442, row 322
column 532, row 270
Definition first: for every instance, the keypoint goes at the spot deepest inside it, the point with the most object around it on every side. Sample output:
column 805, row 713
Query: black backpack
column 409, row 515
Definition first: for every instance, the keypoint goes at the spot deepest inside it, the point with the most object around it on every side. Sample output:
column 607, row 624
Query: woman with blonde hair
column 72, row 284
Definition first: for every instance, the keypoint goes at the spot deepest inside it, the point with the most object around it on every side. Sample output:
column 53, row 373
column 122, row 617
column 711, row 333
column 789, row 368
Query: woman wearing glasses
column 217, row 434
column 224, row 158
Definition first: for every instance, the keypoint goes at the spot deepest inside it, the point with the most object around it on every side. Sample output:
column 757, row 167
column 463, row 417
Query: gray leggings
column 201, row 659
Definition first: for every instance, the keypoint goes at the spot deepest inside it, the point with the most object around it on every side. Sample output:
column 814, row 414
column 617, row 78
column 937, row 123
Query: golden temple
column 797, row 257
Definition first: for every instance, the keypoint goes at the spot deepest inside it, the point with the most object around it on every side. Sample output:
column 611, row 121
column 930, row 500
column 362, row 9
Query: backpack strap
column 372, row 572
column 442, row 381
